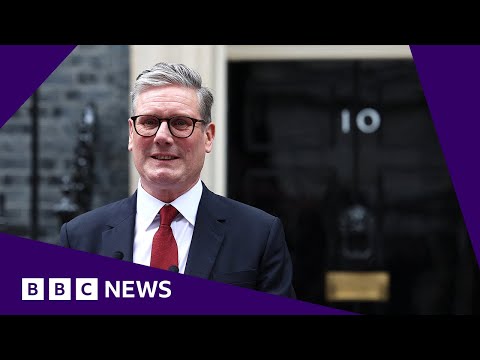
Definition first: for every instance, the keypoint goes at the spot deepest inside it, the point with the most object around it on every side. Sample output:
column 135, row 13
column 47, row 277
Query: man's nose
column 163, row 133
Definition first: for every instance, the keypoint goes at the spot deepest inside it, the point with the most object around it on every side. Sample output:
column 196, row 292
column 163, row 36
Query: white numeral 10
column 361, row 122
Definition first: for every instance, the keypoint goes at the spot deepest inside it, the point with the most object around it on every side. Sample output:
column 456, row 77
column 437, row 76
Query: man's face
column 167, row 178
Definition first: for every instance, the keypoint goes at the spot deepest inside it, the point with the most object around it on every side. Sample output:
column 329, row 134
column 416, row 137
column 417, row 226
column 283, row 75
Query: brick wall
column 97, row 74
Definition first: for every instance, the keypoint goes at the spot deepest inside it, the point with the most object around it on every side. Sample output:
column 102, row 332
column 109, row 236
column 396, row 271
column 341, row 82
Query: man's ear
column 209, row 136
column 130, row 134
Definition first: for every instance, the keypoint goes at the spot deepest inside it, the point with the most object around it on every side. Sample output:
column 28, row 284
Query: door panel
column 346, row 154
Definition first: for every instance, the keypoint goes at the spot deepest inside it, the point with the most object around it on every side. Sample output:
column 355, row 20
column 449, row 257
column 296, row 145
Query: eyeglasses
column 179, row 126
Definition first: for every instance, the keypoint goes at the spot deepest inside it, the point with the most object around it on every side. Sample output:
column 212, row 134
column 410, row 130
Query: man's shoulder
column 238, row 208
column 120, row 208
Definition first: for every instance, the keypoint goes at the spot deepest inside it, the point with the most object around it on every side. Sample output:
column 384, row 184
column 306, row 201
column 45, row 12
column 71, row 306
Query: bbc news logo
column 88, row 289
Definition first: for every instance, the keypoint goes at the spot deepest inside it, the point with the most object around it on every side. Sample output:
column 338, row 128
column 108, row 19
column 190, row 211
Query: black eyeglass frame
column 160, row 120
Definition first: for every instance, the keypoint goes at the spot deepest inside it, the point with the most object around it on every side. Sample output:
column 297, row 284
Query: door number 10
column 367, row 127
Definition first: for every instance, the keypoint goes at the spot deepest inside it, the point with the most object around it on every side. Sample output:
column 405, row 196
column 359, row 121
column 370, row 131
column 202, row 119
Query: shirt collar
column 149, row 206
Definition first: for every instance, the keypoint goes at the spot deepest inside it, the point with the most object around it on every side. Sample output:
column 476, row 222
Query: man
column 210, row 236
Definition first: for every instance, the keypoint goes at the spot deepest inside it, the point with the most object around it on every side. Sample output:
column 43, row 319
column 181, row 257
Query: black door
column 346, row 154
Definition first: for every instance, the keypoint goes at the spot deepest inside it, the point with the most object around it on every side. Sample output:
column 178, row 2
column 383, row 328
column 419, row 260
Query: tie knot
column 167, row 214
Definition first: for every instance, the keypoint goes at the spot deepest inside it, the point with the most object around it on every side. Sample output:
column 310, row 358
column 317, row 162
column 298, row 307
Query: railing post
column 77, row 188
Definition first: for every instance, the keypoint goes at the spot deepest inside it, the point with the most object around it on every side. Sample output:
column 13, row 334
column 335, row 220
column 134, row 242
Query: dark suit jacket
column 232, row 242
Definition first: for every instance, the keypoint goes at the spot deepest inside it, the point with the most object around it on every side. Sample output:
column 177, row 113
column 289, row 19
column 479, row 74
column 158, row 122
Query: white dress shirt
column 147, row 222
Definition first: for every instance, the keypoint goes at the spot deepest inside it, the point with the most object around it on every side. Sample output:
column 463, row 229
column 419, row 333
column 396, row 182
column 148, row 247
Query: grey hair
column 163, row 74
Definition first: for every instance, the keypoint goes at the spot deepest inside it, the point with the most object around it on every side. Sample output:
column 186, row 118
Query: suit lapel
column 207, row 236
column 119, row 238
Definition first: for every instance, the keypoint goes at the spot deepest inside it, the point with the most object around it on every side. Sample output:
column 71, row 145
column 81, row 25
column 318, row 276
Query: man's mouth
column 166, row 157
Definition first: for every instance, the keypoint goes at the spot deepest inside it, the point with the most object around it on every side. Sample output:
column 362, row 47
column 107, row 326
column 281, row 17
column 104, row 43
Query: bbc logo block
column 33, row 289
column 59, row 289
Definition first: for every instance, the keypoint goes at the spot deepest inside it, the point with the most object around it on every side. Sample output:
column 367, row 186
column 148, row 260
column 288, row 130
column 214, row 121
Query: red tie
column 164, row 247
